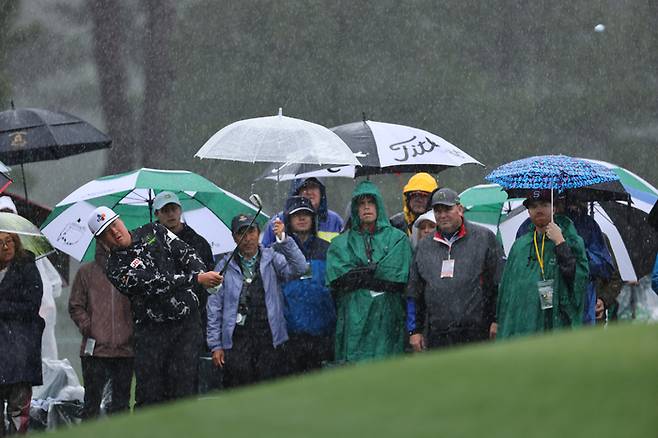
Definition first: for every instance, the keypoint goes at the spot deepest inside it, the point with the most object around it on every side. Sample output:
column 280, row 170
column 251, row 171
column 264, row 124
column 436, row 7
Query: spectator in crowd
column 104, row 319
column 415, row 201
column 169, row 212
column 424, row 226
column 329, row 222
column 246, row 323
column 545, row 276
column 21, row 328
column 158, row 272
column 454, row 279
column 310, row 312
column 52, row 288
column 605, row 282
column 367, row 270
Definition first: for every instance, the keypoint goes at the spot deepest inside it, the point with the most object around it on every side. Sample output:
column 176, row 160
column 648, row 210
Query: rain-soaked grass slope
column 593, row 382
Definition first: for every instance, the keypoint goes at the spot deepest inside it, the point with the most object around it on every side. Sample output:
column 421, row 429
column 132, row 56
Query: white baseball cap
column 164, row 198
column 100, row 219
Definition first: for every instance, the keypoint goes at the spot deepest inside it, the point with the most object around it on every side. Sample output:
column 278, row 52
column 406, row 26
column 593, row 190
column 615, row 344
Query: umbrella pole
column 552, row 205
column 24, row 182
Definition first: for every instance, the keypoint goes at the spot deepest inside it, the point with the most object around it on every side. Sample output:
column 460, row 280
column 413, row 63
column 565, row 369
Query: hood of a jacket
column 100, row 256
column 368, row 188
column 321, row 211
column 419, row 182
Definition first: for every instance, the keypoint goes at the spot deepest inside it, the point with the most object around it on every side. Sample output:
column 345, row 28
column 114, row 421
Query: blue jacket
column 309, row 305
column 279, row 264
column 654, row 277
column 328, row 221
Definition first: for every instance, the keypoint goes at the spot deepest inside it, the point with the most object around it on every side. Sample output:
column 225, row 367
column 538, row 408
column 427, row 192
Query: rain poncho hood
column 419, row 182
column 519, row 311
column 370, row 324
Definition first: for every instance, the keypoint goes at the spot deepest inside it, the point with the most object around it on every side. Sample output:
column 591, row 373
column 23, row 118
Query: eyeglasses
column 7, row 243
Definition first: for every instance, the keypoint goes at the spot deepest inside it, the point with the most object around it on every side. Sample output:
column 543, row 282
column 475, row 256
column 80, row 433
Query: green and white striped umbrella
column 207, row 208
column 30, row 236
column 487, row 205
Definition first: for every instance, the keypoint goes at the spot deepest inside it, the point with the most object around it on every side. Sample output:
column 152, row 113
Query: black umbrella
column 32, row 134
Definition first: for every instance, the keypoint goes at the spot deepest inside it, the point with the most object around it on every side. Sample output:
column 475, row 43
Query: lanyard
column 540, row 258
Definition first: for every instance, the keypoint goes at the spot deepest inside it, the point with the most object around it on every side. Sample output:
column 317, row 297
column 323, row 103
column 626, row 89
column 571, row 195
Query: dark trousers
column 96, row 372
column 252, row 359
column 166, row 358
column 18, row 397
column 455, row 337
column 306, row 352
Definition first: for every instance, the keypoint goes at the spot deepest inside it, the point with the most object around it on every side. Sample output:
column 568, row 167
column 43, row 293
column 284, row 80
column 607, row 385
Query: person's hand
column 210, row 279
column 599, row 309
column 279, row 228
column 218, row 358
column 493, row 330
column 417, row 342
column 554, row 233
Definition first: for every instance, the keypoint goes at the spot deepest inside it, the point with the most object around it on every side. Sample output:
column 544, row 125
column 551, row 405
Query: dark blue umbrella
column 556, row 172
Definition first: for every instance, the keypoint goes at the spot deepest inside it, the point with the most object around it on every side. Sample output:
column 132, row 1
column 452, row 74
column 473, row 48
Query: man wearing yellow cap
column 415, row 201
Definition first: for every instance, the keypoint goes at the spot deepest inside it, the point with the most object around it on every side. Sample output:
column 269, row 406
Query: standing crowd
column 305, row 291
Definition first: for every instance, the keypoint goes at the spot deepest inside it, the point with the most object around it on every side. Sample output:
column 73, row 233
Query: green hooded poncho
column 519, row 311
column 369, row 324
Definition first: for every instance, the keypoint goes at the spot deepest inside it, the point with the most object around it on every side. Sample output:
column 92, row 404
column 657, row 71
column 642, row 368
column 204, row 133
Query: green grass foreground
column 593, row 382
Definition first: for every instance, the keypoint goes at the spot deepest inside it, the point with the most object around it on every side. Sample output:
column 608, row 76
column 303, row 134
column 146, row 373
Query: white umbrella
column 277, row 139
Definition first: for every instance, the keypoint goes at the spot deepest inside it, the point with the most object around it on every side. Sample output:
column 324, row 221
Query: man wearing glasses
column 415, row 201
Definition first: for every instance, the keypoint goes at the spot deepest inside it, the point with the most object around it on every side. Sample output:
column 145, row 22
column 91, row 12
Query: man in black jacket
column 168, row 211
column 158, row 272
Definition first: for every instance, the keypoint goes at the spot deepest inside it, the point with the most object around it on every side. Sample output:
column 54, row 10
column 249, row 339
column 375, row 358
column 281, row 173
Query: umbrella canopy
column 557, row 172
column 32, row 134
column 487, row 205
column 30, row 236
column 5, row 179
column 390, row 148
column 290, row 171
column 207, row 208
column 277, row 139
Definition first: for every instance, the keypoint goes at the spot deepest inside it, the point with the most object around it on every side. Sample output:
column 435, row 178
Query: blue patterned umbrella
column 557, row 172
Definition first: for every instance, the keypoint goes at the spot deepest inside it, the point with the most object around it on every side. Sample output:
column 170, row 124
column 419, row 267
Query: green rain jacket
column 369, row 290
column 519, row 311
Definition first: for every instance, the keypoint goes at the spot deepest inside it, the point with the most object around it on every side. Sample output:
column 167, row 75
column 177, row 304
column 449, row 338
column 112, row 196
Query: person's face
column 367, row 210
column 116, row 235
column 448, row 218
column 169, row 216
column 7, row 248
column 540, row 213
column 249, row 244
column 301, row 222
column 418, row 201
column 311, row 191
column 425, row 229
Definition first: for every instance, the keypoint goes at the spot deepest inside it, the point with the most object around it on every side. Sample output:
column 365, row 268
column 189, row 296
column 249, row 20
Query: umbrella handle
column 223, row 270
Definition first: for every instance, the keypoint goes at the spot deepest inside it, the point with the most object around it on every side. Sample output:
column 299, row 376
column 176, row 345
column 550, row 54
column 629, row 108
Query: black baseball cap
column 242, row 220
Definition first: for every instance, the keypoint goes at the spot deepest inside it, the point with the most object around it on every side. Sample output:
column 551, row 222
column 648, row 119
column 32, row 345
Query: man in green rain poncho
column 367, row 270
column 546, row 274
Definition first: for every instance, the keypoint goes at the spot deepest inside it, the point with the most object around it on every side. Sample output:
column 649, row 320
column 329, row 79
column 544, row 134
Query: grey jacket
column 468, row 299
column 279, row 264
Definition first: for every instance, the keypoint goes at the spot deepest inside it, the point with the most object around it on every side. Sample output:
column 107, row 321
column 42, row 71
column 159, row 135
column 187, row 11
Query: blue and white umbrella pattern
column 555, row 172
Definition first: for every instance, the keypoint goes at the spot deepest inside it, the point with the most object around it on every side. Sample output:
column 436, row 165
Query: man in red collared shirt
column 453, row 280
